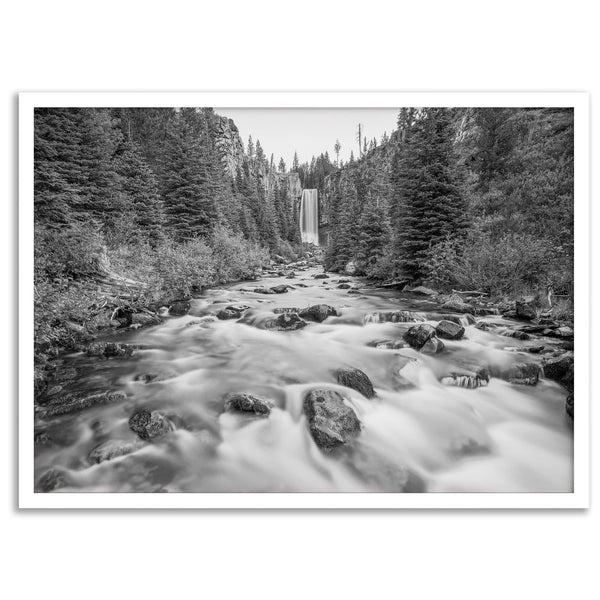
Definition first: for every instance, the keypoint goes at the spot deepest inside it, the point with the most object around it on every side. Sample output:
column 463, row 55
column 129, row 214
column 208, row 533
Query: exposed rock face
column 400, row 316
column 248, row 404
column 70, row 403
column 331, row 422
column 285, row 322
column 150, row 425
column 418, row 335
column 357, row 380
column 110, row 350
column 525, row 308
column 112, row 449
column 448, row 330
column 318, row 312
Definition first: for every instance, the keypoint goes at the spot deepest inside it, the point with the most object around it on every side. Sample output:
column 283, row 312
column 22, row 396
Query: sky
column 310, row 131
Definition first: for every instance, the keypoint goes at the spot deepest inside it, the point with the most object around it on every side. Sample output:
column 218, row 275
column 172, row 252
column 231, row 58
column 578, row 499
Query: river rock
column 418, row 335
column 263, row 290
column 344, row 286
column 526, row 308
column 248, row 404
column 388, row 344
column 280, row 289
column 110, row 350
column 331, row 422
column 399, row 316
column 516, row 334
column 79, row 401
column 561, row 369
column 343, row 280
column 285, row 322
column 53, row 479
column 448, row 330
column 150, row 425
column 318, row 312
column 232, row 312
column 432, row 346
column 520, row 373
column 570, row 405
column 321, row 276
column 357, row 380
column 145, row 319
column 180, row 307
column 457, row 304
column 112, row 449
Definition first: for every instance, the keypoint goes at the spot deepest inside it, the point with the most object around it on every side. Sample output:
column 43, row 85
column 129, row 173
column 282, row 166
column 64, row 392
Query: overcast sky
column 310, row 131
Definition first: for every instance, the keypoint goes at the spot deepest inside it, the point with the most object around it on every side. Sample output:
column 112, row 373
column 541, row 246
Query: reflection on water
column 418, row 434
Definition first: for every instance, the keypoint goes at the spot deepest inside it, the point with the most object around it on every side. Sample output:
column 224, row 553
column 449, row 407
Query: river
column 418, row 434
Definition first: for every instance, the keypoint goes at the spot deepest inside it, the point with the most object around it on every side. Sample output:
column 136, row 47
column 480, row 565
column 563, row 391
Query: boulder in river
column 280, row 289
column 150, row 425
column 388, row 344
column 180, row 307
column 456, row 303
column 432, row 346
column 418, row 335
column 53, row 479
column 232, row 312
column 285, row 322
column 516, row 334
column 344, row 286
column 357, row 380
column 263, row 290
column 318, row 312
column 520, row 373
column 321, row 276
column 110, row 350
column 561, row 369
column 448, row 330
column 526, row 308
column 77, row 401
column 331, row 422
column 249, row 404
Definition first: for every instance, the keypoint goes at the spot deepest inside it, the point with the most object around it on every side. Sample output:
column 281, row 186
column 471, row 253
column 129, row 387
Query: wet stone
column 418, row 335
column 400, row 316
column 331, row 422
column 112, row 449
column 77, row 401
column 357, row 380
column 53, row 479
column 150, row 425
column 318, row 312
column 285, row 322
column 449, row 330
column 110, row 350
column 248, row 403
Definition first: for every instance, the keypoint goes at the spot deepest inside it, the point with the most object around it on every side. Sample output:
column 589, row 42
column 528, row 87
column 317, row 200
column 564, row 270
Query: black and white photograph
column 290, row 300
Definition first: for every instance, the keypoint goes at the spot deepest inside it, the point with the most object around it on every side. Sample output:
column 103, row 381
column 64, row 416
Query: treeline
column 145, row 196
column 477, row 198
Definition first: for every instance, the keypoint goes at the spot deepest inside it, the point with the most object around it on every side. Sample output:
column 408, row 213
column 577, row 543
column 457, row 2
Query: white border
column 578, row 499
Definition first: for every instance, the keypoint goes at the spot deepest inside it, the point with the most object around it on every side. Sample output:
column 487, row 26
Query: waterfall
column 309, row 217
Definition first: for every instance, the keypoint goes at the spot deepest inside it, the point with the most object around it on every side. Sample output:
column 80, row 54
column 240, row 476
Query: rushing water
column 417, row 433
column 309, row 217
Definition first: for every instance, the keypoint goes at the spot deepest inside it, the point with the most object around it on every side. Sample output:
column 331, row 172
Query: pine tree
column 188, row 192
column 428, row 206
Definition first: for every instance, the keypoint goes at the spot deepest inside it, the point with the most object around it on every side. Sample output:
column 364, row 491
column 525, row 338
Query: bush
column 236, row 258
column 511, row 264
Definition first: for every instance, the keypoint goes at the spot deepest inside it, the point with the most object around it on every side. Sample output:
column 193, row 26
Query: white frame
column 579, row 498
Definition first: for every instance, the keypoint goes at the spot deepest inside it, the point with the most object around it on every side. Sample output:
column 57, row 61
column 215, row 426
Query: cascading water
column 309, row 217
column 436, row 423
